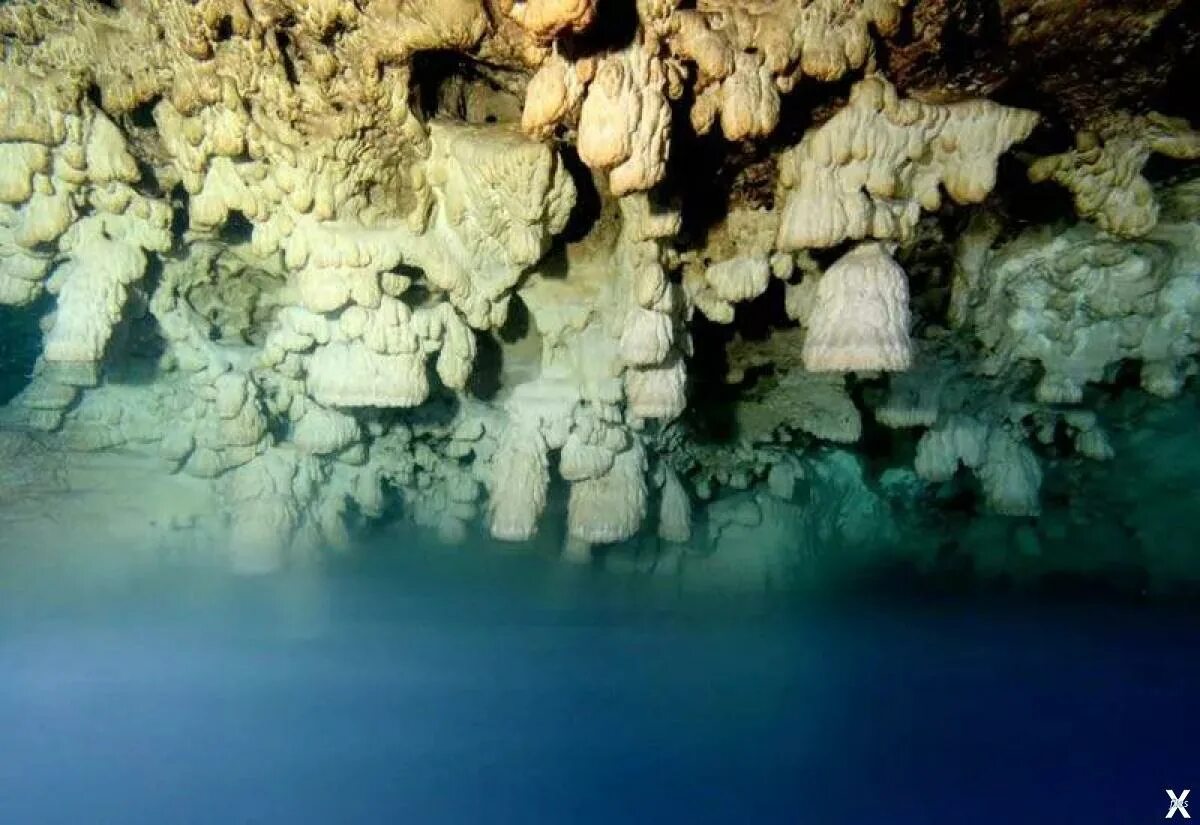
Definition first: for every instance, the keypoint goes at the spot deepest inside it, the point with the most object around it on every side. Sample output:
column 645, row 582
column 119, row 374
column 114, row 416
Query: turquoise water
column 426, row 685
column 415, row 683
column 294, row 297
column 20, row 343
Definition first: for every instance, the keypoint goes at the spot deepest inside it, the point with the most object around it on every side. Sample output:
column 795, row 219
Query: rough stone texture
column 1089, row 56
column 560, row 270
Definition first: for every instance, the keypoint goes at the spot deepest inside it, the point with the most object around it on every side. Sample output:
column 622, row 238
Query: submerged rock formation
column 742, row 289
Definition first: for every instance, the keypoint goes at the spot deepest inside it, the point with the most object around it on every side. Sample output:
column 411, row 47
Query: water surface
column 447, row 686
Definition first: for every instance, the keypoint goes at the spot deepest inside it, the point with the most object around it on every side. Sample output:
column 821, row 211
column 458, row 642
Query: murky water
column 441, row 686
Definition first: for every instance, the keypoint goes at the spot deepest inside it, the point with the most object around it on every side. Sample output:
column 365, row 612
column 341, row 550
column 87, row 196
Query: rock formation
column 651, row 280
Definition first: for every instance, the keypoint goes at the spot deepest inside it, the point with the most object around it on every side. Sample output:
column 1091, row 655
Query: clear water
column 429, row 686
column 20, row 343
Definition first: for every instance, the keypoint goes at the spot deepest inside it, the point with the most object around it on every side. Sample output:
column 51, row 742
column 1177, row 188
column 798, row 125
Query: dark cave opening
column 879, row 447
column 1126, row 379
column 142, row 115
column 332, row 34
column 94, row 95
column 149, row 180
column 224, row 29
column 1025, row 203
column 486, row 372
column 1163, row 169
column 757, row 319
column 447, row 83
column 180, row 216
column 430, row 70
column 1175, row 49
column 588, row 203
column 714, row 419
column 284, row 43
column 517, row 323
column 612, row 31
column 20, row 344
column 237, row 229
column 708, row 175
column 418, row 293
column 134, row 351
column 698, row 172
column 968, row 35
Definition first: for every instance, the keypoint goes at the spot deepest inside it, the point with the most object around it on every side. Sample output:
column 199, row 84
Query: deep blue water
column 434, row 687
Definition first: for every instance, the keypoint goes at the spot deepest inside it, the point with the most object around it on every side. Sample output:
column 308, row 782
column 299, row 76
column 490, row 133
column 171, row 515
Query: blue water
column 20, row 343
column 430, row 687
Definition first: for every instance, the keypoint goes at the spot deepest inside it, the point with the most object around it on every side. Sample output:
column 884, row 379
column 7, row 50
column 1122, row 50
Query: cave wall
column 652, row 282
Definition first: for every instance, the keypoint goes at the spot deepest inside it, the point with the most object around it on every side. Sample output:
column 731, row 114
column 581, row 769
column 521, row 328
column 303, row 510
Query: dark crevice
column 237, row 229
column 613, row 30
column 447, row 84
column 1161, row 168
column 518, row 323
column 878, row 445
column 714, row 420
column 757, row 319
column 142, row 115
column 283, row 42
column 968, row 35
column 1175, row 47
column 95, row 95
column 331, row 35
column 20, row 344
column 418, row 294
column 484, row 382
column 906, row 32
column 588, row 205
column 180, row 218
column 1025, row 203
column 137, row 345
column 149, row 180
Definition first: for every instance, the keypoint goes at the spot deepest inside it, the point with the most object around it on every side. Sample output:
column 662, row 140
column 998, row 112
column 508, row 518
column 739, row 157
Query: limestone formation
column 1079, row 303
column 870, row 170
column 740, row 290
column 860, row 318
column 1104, row 170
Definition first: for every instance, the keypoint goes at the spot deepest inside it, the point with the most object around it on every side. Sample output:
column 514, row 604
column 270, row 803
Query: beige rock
column 520, row 480
column 870, row 170
column 610, row 508
column 547, row 19
column 860, row 316
column 1104, row 170
column 351, row 375
column 625, row 121
column 675, row 510
column 657, row 392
